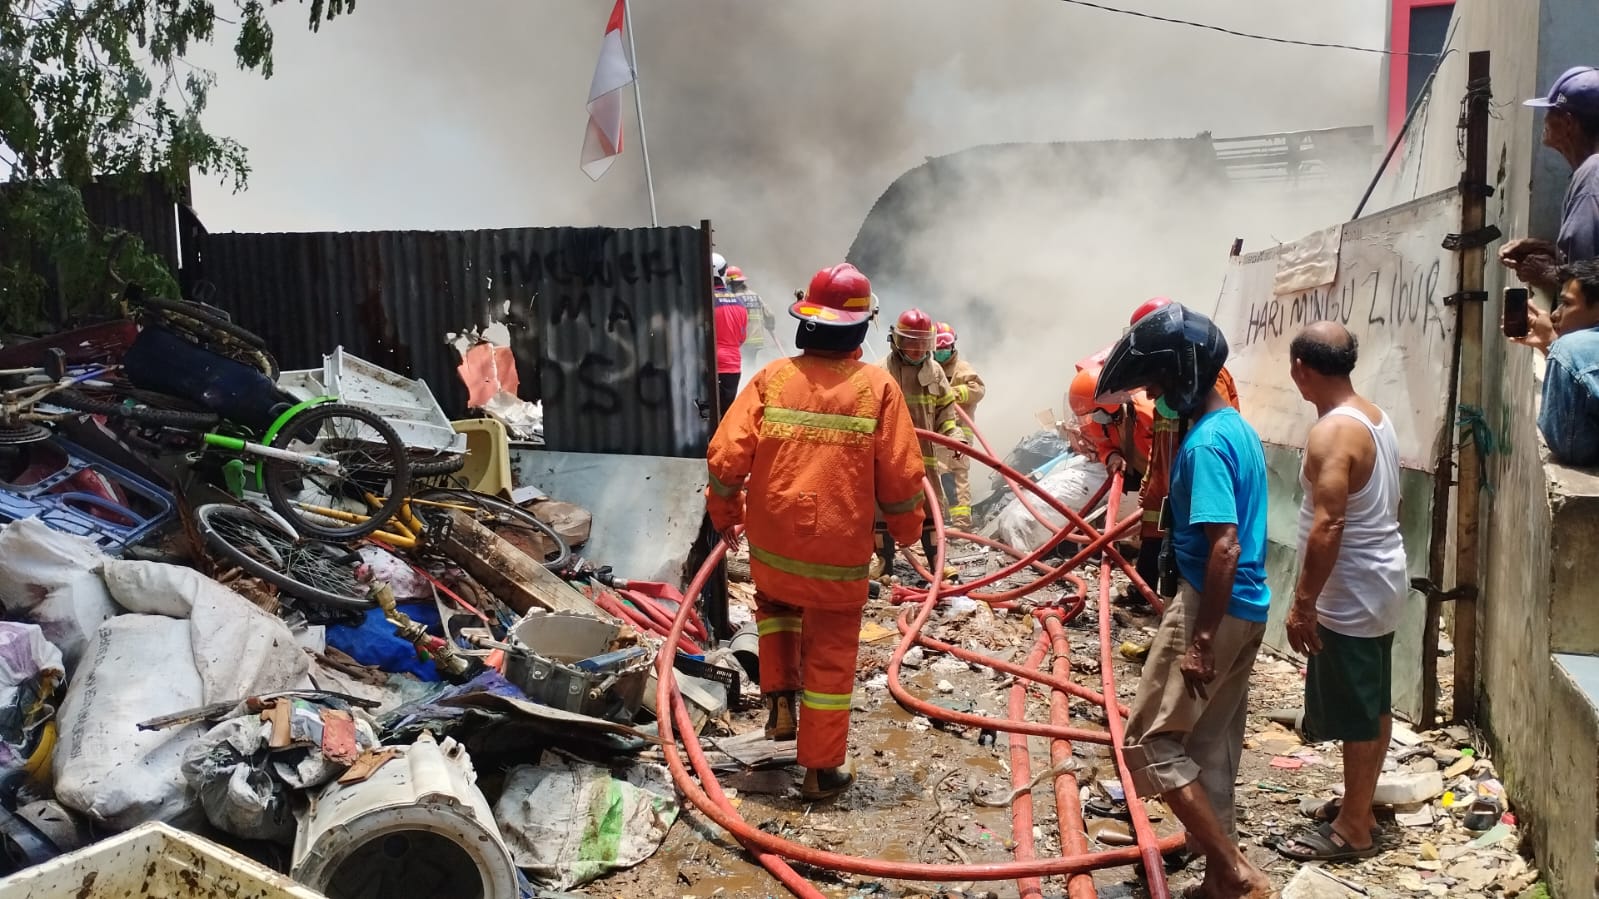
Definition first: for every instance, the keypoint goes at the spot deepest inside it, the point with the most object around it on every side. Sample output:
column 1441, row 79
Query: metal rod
column 638, row 104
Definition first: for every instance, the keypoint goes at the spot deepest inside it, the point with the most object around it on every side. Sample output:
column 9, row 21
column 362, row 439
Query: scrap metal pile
column 306, row 616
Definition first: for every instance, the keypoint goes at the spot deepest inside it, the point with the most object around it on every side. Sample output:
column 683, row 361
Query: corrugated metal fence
column 611, row 327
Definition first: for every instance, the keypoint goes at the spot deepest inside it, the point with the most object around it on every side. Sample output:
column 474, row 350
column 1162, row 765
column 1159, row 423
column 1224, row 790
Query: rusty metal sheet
column 611, row 327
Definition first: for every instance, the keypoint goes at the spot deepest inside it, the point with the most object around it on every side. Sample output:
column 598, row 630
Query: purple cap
column 1577, row 90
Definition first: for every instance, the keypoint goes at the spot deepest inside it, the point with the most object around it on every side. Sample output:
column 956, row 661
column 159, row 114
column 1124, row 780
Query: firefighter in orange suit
column 929, row 395
column 967, row 387
column 810, row 451
column 1162, row 450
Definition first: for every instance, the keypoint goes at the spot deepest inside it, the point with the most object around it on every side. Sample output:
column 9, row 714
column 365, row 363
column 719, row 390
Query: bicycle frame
column 408, row 528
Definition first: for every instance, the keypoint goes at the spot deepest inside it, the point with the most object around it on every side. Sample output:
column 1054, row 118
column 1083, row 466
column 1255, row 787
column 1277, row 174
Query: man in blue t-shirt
column 1185, row 731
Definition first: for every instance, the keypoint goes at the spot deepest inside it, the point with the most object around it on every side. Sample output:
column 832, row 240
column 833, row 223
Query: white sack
column 238, row 649
column 568, row 822
column 1073, row 482
column 53, row 580
column 137, row 667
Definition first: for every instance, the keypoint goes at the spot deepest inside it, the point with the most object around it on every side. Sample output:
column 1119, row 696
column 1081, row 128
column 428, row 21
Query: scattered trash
column 1287, row 763
column 568, row 822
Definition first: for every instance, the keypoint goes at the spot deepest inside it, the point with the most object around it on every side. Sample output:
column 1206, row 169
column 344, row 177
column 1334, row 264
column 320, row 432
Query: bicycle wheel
column 213, row 319
column 371, row 482
column 134, row 405
column 516, row 524
column 435, row 465
column 311, row 570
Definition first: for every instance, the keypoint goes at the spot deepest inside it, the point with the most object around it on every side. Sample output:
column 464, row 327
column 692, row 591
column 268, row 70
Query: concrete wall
column 1540, row 523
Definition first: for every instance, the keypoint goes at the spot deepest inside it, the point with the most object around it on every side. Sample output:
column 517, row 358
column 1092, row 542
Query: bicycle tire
column 281, row 478
column 177, row 419
column 226, row 526
column 204, row 316
column 201, row 335
column 437, row 465
column 500, row 507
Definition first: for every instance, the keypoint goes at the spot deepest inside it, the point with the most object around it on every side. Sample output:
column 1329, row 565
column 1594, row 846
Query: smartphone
column 1514, row 322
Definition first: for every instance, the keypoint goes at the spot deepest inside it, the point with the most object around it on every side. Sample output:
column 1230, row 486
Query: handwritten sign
column 1392, row 277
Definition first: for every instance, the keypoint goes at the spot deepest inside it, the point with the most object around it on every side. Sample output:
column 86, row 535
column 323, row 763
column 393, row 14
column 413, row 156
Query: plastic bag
column 53, row 580
column 1073, row 482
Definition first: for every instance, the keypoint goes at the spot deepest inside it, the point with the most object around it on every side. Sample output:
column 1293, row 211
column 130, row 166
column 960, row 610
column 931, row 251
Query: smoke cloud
column 784, row 122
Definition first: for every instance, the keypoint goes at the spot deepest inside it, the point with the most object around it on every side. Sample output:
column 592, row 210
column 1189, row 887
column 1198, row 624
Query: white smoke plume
column 784, row 122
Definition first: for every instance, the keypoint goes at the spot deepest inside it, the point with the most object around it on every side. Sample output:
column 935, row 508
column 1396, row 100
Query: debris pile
column 303, row 616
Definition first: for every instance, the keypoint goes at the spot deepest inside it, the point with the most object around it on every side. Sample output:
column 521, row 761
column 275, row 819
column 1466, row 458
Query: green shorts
column 1348, row 687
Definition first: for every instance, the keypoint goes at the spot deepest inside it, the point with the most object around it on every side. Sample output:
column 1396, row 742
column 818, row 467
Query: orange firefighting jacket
column 1113, row 438
column 809, row 451
column 1163, row 449
column 932, row 405
column 966, row 386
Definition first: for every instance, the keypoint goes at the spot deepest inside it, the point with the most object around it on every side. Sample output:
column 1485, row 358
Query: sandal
column 1324, row 845
column 1483, row 814
column 1100, row 808
column 1324, row 813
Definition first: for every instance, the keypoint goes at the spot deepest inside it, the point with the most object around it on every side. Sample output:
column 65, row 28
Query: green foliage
column 95, row 89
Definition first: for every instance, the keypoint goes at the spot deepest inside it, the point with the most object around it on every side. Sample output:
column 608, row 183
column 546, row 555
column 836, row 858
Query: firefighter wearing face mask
column 928, row 393
column 967, row 387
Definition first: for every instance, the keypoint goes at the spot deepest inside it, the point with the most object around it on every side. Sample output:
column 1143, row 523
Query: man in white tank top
column 1352, row 585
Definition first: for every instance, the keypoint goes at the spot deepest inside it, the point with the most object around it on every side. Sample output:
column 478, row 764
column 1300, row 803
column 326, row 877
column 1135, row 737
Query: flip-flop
column 1483, row 814
column 1324, row 813
column 1099, row 808
column 1325, row 845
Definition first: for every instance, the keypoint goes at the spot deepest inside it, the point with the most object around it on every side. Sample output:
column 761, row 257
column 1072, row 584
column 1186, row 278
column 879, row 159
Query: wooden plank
column 513, row 576
column 1468, row 490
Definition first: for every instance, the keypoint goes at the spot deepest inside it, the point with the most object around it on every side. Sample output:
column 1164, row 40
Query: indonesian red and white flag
column 603, row 142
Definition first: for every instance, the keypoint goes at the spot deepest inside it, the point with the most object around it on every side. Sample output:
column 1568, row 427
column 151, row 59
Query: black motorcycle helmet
column 1173, row 349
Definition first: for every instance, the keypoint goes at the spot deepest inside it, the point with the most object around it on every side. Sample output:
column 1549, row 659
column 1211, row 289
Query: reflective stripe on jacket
column 932, row 407
column 808, row 453
column 966, row 385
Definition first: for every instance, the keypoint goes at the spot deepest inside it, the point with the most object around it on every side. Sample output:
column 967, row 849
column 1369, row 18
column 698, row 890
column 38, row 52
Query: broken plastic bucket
column 418, row 826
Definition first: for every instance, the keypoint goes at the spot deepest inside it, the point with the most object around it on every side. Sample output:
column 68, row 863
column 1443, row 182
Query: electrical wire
column 1244, row 34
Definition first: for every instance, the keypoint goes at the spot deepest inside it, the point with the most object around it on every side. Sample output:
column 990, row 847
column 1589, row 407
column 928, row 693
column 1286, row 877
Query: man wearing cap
column 1570, row 128
column 811, row 450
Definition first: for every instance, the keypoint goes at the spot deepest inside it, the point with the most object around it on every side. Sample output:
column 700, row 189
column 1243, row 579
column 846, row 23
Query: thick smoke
column 784, row 122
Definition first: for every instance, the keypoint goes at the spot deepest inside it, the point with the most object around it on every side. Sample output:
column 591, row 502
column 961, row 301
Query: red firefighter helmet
column 943, row 336
column 1081, row 395
column 840, row 295
column 734, row 273
column 1148, row 306
column 912, row 336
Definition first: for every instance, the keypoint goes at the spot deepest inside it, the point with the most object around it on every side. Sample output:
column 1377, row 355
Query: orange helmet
column 734, row 273
column 912, row 336
column 840, row 295
column 1148, row 306
column 1081, row 395
column 943, row 336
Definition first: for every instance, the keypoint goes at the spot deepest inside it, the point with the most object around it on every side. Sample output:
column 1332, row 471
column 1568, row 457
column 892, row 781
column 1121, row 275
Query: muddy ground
column 916, row 781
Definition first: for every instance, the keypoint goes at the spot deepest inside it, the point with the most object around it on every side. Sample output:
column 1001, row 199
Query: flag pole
column 638, row 103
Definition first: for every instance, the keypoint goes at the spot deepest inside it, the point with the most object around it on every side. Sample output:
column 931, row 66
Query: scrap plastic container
column 154, row 861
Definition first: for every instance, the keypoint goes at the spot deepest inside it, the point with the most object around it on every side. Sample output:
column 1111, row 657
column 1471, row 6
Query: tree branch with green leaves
column 104, row 90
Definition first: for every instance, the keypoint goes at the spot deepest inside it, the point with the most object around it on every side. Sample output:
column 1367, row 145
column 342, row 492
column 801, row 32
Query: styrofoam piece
column 418, row 826
column 154, row 860
column 406, row 404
